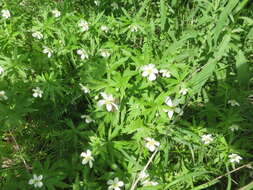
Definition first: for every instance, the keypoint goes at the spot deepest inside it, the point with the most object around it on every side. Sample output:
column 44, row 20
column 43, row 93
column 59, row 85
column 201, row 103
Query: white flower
column 47, row 51
column 149, row 183
column 87, row 158
column 172, row 107
column 1, row 70
column 234, row 158
column 85, row 89
column 183, row 91
column 206, row 139
column 37, row 35
column 115, row 184
column 104, row 53
column 37, row 92
column 97, row 3
column 36, row 181
column 134, row 28
column 104, row 28
column 83, row 25
column 234, row 127
column 83, row 54
column 143, row 175
column 87, row 118
column 233, row 103
column 149, row 71
column 6, row 13
column 3, row 95
column 151, row 144
column 108, row 101
column 56, row 13
column 115, row 5
column 165, row 73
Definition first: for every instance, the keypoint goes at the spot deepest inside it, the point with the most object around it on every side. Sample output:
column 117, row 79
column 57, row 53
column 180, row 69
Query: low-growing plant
column 126, row 94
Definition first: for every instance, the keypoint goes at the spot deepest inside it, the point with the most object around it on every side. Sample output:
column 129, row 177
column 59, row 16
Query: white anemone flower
column 87, row 118
column 84, row 25
column 1, row 70
column 37, row 92
column 172, row 107
column 149, row 71
column 233, row 103
column 235, row 158
column 37, row 35
column 234, row 127
column 83, row 54
column 206, row 139
column 3, row 95
column 115, row 5
column 134, row 28
column 143, row 175
column 151, row 144
column 165, row 73
column 56, row 13
column 47, row 51
column 149, row 183
column 183, row 91
column 104, row 28
column 104, row 53
column 6, row 13
column 97, row 2
column 87, row 158
column 85, row 89
column 115, row 184
column 36, row 181
column 109, row 101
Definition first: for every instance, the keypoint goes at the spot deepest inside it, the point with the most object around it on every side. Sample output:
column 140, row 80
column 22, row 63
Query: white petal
column 152, row 77
column 109, row 107
column 90, row 164
column 121, row 183
column 101, row 103
column 170, row 113
column 39, row 184
column 40, row 177
column 151, row 148
column 31, row 181
column 88, row 153
column 116, row 179
column 145, row 73
column 155, row 71
column 83, row 154
column 85, row 161
column 109, row 182
column 168, row 101
column 104, row 95
column 157, row 143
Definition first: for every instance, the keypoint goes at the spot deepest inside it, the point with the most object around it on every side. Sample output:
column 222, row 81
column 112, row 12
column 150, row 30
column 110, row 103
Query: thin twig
column 18, row 147
column 236, row 169
column 144, row 169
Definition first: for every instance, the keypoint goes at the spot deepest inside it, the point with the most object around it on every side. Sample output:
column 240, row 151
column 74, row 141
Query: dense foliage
column 91, row 92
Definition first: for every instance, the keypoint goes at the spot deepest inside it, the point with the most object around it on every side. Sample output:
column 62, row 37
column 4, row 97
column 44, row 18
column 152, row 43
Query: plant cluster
column 126, row 94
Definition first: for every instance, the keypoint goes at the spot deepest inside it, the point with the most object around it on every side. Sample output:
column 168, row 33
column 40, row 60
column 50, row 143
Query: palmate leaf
column 199, row 79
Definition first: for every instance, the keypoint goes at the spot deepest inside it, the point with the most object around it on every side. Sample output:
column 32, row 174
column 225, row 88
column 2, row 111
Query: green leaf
column 163, row 11
column 247, row 187
column 243, row 72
